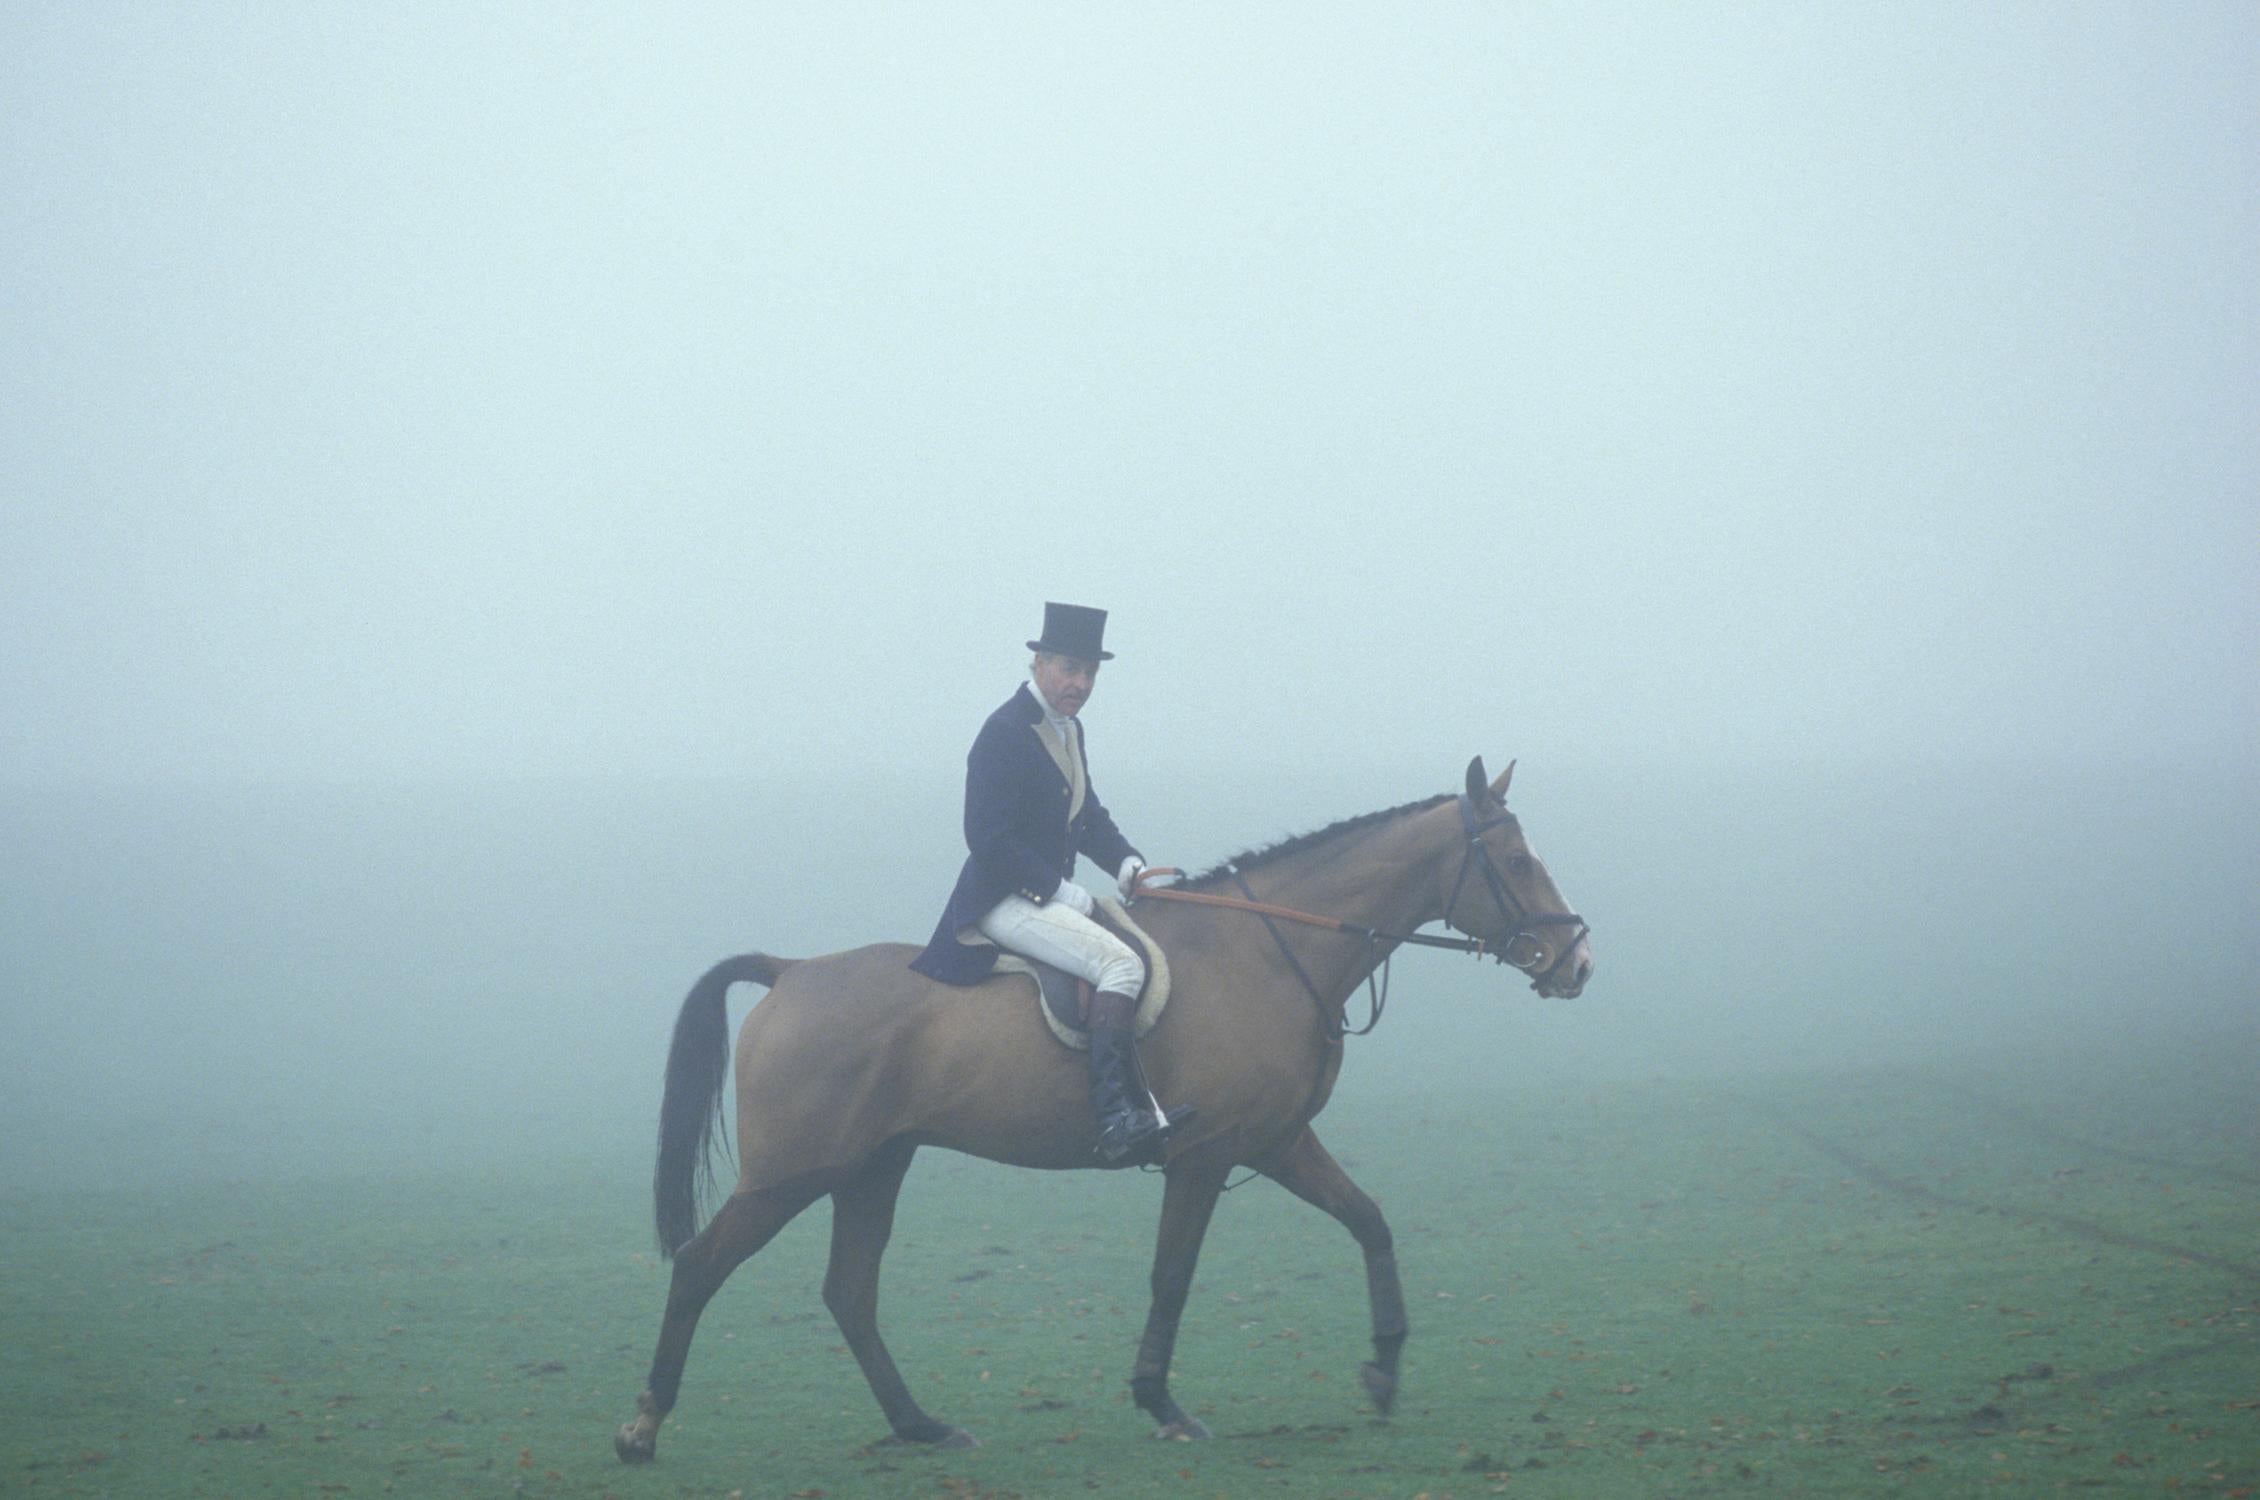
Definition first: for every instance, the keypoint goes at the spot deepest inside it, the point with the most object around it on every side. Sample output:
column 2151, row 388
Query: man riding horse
column 852, row 1063
column 1030, row 809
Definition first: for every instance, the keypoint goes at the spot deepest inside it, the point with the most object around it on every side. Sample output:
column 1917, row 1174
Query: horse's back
column 836, row 1011
column 853, row 1049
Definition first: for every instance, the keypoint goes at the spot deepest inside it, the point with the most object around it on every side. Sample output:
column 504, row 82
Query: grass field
column 1980, row 1278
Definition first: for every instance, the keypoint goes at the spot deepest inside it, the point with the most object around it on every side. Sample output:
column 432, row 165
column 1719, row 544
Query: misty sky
column 580, row 391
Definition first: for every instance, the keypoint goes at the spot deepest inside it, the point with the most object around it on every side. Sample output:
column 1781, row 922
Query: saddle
column 1064, row 999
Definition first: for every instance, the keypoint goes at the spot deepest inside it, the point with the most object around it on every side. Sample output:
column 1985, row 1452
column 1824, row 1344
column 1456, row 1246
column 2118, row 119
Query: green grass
column 2036, row 1279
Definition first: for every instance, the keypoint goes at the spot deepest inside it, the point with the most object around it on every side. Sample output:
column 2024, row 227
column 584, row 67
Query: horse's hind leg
column 1305, row 1169
column 740, row 1227
column 863, row 1217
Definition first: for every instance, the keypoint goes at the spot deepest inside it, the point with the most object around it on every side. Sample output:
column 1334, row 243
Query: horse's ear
column 1477, row 787
column 1499, row 787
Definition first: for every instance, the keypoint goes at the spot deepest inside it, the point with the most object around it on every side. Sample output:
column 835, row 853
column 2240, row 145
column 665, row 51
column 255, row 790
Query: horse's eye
column 1522, row 864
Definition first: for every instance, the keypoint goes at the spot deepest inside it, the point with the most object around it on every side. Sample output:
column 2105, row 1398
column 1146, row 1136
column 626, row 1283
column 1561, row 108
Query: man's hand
column 1073, row 897
column 1126, row 879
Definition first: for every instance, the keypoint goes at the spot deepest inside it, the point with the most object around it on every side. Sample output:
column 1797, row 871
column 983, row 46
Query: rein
column 1336, row 1026
column 1476, row 946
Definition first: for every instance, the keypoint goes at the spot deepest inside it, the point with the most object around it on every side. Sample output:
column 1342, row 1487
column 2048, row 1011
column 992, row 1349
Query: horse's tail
column 690, row 1110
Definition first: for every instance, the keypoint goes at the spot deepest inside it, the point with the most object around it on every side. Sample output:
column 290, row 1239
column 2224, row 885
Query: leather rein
column 1337, row 1025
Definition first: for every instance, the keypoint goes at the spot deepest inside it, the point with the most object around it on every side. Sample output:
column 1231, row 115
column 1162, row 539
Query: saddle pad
column 1056, row 995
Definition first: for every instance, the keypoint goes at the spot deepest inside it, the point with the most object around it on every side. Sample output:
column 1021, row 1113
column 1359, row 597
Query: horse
column 853, row 1062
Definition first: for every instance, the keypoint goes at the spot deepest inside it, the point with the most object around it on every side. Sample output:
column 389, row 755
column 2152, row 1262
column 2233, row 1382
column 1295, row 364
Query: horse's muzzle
column 1566, row 980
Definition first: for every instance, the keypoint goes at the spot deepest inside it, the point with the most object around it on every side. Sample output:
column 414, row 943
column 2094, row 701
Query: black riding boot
column 1128, row 1126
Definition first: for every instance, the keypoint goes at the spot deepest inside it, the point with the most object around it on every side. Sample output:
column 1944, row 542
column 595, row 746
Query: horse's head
column 1504, row 896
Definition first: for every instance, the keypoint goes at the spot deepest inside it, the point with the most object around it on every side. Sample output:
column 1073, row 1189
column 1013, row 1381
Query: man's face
column 1066, row 681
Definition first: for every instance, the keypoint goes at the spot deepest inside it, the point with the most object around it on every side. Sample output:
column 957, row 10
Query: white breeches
column 1063, row 937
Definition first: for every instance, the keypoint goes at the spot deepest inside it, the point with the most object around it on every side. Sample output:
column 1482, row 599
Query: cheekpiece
column 1073, row 630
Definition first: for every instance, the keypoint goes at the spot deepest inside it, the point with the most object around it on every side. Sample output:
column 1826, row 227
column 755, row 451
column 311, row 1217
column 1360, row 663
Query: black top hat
column 1073, row 630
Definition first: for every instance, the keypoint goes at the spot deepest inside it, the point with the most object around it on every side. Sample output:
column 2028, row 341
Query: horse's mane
column 1257, row 858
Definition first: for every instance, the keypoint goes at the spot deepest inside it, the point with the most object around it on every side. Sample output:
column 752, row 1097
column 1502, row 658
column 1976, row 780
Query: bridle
column 1519, row 918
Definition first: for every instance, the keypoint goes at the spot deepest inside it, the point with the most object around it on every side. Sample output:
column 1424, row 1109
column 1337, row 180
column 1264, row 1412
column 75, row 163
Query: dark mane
column 1253, row 859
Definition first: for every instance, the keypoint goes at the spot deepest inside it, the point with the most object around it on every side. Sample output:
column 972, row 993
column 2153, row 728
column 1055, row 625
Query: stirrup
column 1133, row 1141
column 1146, row 1142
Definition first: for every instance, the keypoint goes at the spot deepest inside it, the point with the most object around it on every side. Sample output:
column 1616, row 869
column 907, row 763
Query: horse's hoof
column 633, row 1445
column 938, row 1435
column 1186, row 1429
column 1380, row 1386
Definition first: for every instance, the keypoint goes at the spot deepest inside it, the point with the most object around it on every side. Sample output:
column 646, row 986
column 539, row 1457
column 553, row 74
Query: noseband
column 1520, row 919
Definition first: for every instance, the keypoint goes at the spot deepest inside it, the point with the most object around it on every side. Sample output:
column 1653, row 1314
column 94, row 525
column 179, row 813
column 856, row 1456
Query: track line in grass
column 2033, row 1125
column 2105, row 1379
column 1868, row 1171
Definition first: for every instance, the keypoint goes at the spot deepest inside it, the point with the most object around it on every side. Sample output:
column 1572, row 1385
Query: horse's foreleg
column 1305, row 1169
column 1186, row 1206
column 740, row 1227
column 863, row 1217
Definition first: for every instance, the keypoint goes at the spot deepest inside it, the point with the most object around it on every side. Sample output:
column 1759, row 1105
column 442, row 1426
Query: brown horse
column 853, row 1062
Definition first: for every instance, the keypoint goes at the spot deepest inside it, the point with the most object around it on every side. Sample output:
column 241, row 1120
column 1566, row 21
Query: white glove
column 1073, row 897
column 1126, row 879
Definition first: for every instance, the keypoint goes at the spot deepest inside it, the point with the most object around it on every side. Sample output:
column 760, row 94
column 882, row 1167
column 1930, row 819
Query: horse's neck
column 1389, row 879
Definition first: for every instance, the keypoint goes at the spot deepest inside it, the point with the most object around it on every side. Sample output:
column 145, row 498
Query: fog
column 500, row 509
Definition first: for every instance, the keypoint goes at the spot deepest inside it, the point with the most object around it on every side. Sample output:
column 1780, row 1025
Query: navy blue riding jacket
column 1018, row 834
